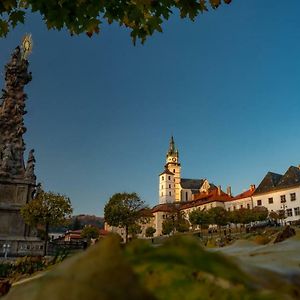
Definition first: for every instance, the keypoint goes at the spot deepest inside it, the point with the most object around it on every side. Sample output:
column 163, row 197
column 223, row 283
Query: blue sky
column 101, row 111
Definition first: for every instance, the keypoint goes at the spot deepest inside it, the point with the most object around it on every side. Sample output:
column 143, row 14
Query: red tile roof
column 245, row 194
column 167, row 207
column 204, row 198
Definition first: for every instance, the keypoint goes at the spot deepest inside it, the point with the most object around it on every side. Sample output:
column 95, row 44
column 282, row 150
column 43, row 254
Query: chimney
column 252, row 187
column 219, row 190
column 229, row 191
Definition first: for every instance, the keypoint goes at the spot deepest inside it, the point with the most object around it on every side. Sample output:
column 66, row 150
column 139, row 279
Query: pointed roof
column 290, row 178
column 269, row 183
column 273, row 181
column 191, row 184
column 172, row 149
column 166, row 171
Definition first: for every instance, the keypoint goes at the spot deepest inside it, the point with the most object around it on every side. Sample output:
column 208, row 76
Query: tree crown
column 142, row 17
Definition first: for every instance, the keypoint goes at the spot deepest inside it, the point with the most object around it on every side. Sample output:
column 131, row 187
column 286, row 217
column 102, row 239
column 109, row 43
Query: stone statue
column 7, row 158
column 29, row 172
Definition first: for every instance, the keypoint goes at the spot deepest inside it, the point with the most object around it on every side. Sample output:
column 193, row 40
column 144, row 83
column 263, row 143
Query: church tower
column 169, row 180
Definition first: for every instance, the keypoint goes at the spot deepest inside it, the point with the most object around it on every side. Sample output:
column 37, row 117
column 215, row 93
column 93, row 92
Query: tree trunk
column 46, row 238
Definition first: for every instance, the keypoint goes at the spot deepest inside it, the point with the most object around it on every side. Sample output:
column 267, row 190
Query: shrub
column 29, row 265
column 5, row 270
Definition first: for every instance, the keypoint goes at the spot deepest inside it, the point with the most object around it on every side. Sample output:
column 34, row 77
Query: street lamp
column 283, row 209
column 6, row 248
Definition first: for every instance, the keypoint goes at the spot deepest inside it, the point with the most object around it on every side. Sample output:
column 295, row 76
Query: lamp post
column 6, row 248
column 283, row 208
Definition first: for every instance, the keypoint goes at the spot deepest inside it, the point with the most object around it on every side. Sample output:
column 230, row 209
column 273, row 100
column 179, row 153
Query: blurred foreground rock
column 285, row 234
column 99, row 273
column 180, row 269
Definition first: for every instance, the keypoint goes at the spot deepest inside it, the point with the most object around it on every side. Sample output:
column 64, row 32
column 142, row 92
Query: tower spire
column 172, row 149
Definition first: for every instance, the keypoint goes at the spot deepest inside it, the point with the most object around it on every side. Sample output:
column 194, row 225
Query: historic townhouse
column 280, row 192
column 243, row 200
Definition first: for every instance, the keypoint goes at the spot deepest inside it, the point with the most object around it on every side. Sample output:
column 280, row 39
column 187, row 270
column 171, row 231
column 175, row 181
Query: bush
column 5, row 270
column 29, row 265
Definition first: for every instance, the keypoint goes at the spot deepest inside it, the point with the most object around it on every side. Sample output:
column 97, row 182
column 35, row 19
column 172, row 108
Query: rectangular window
column 248, row 206
column 169, row 193
column 162, row 187
column 289, row 212
column 293, row 196
column 297, row 211
column 169, row 186
column 258, row 202
column 270, row 200
column 282, row 199
column 173, row 170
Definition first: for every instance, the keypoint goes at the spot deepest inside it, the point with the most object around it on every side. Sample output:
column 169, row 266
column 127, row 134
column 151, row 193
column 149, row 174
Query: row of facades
column 276, row 192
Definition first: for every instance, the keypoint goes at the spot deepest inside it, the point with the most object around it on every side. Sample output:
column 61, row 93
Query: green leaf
column 4, row 28
column 17, row 16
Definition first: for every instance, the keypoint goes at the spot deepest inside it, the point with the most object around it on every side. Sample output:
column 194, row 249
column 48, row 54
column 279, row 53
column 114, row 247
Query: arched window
column 169, row 193
column 162, row 178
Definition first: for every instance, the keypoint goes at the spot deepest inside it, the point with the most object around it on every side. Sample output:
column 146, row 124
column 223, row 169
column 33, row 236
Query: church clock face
column 174, row 159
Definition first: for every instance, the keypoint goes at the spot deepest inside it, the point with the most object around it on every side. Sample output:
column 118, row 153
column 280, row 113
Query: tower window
column 162, row 193
column 174, row 170
column 169, row 193
column 169, row 177
column 162, row 178
column 162, row 187
column 169, row 186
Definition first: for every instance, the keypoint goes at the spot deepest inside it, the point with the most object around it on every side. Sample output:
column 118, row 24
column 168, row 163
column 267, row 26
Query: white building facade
column 279, row 192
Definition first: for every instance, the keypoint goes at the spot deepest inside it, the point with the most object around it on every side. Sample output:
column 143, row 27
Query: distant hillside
column 90, row 220
column 79, row 221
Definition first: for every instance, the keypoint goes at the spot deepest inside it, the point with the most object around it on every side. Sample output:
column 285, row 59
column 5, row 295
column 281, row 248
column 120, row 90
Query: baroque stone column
column 17, row 180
